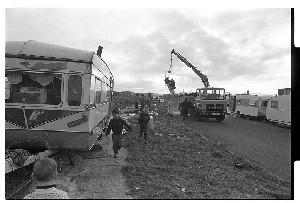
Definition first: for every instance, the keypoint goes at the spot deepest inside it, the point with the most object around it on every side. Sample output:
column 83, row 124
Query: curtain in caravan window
column 43, row 79
column 14, row 78
column 34, row 88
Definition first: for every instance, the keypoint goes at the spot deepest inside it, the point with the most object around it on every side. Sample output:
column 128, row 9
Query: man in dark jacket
column 143, row 120
column 186, row 105
column 116, row 124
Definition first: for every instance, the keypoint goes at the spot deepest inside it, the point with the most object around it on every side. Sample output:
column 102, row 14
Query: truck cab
column 210, row 103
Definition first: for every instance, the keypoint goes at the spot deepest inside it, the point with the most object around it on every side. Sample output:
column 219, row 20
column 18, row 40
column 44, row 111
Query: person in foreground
column 116, row 124
column 44, row 173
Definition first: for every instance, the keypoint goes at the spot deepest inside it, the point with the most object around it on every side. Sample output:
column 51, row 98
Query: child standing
column 143, row 120
column 116, row 124
column 44, row 173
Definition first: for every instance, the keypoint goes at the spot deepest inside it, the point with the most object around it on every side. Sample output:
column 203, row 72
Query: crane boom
column 203, row 77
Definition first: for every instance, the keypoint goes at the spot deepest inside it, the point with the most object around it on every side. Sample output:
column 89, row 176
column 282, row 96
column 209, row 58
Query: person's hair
column 115, row 111
column 44, row 170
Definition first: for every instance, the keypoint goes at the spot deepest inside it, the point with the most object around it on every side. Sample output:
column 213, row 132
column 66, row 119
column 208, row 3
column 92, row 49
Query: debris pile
column 17, row 156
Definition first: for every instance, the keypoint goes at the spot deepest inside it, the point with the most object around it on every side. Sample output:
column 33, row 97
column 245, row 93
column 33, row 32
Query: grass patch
column 170, row 167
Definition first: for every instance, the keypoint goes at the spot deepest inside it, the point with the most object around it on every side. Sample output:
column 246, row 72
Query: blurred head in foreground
column 44, row 170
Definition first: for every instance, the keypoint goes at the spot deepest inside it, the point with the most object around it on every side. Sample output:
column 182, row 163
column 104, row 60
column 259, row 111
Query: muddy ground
column 178, row 163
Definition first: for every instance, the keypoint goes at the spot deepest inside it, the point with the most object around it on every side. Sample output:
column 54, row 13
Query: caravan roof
column 38, row 50
column 265, row 97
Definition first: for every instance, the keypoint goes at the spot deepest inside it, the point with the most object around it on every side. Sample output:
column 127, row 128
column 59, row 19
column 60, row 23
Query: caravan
column 247, row 105
column 55, row 97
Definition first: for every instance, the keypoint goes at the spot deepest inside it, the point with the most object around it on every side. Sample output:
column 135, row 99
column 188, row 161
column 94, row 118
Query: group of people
column 116, row 125
column 45, row 170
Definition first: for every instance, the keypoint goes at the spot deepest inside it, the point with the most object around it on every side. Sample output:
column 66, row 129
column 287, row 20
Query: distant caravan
column 247, row 105
column 275, row 109
column 55, row 97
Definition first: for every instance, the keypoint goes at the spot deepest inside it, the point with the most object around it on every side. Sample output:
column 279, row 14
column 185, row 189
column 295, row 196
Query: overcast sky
column 238, row 49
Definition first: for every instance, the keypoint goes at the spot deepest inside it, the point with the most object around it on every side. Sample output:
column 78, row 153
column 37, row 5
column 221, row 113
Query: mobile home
column 55, row 97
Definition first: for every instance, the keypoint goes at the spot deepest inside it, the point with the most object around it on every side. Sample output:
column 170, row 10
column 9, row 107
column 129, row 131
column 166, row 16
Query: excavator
column 209, row 102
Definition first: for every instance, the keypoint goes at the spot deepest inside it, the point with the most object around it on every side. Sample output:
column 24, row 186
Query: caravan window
column 74, row 90
column 98, row 91
column 33, row 88
column 252, row 102
column 104, row 95
column 92, row 90
column 264, row 103
column 274, row 104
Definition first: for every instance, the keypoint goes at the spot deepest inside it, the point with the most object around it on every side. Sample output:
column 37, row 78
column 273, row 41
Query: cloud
column 214, row 55
column 227, row 45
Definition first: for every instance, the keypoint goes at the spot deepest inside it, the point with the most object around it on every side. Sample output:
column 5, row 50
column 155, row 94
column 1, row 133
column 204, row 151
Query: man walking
column 116, row 125
column 185, row 105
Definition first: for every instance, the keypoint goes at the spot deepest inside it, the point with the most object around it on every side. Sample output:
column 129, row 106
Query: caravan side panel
column 279, row 110
column 279, row 116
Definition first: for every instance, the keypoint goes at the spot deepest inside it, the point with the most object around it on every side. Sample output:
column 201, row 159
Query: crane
column 209, row 102
column 203, row 77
